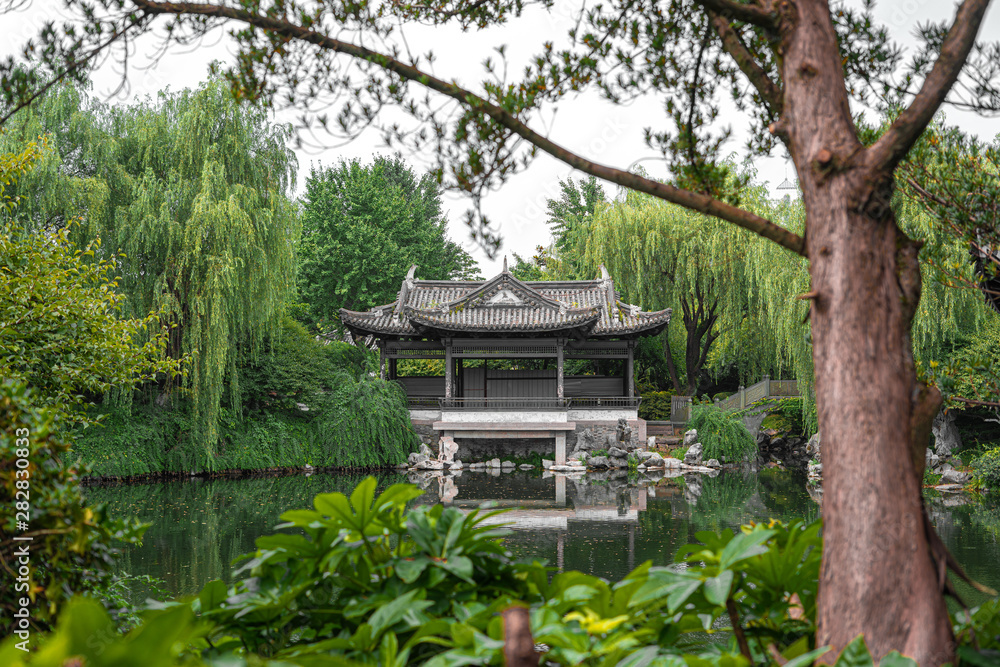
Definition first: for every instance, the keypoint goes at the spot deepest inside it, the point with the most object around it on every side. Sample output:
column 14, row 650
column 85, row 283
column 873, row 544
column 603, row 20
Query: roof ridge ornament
column 505, row 264
column 412, row 272
column 604, row 273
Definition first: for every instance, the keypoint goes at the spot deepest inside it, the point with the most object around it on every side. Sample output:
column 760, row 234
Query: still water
column 603, row 523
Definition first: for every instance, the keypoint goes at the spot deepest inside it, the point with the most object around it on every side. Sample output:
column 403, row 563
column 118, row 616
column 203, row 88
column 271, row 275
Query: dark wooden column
column 449, row 376
column 630, row 369
column 392, row 367
column 459, row 377
column 560, row 392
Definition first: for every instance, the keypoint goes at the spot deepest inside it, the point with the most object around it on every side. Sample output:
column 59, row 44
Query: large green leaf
column 717, row 588
column 855, row 654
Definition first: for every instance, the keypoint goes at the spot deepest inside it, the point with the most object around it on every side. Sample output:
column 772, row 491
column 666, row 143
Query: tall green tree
column 62, row 345
column 794, row 69
column 363, row 227
column 570, row 218
column 189, row 194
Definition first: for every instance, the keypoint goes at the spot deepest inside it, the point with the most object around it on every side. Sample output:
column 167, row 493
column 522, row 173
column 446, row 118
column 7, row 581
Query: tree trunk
column 877, row 576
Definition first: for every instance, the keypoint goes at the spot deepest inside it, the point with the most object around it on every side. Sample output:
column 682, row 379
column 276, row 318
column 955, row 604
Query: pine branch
column 686, row 198
column 886, row 153
column 770, row 92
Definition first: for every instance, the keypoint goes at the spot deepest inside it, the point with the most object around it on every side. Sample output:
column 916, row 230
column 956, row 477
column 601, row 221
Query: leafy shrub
column 655, row 405
column 73, row 546
column 364, row 580
column 300, row 402
column 722, row 434
column 986, row 470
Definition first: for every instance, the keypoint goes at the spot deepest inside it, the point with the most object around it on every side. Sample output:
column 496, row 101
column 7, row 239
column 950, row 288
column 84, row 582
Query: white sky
column 598, row 130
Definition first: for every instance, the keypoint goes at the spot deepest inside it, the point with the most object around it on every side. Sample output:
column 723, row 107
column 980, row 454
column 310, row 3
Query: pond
column 601, row 523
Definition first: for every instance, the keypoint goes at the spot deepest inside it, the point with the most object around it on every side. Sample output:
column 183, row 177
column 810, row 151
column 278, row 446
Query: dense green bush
column 72, row 545
column 986, row 471
column 786, row 416
column 363, row 579
column 655, row 405
column 300, row 401
column 722, row 434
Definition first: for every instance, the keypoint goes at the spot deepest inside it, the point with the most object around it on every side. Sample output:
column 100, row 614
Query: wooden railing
column 766, row 388
column 525, row 403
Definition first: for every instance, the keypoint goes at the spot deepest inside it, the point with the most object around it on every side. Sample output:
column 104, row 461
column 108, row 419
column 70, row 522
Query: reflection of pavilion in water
column 604, row 508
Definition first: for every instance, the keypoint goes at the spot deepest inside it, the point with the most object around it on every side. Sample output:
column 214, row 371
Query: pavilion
column 505, row 344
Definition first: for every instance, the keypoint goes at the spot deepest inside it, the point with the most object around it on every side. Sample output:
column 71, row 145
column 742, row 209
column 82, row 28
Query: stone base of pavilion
column 483, row 435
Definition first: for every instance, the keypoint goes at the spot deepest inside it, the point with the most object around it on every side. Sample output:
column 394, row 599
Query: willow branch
column 908, row 126
column 686, row 198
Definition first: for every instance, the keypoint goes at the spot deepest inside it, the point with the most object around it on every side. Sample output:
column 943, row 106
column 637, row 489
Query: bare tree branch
column 769, row 91
column 901, row 135
column 759, row 16
column 686, row 198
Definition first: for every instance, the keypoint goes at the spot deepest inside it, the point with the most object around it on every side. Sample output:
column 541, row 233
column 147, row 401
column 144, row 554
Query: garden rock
column 598, row 462
column 615, row 452
column 946, row 437
column 643, row 455
column 493, row 463
column 624, row 432
column 547, row 463
column 954, row 477
column 671, row 462
column 654, row 460
column 713, row 463
column 812, row 447
column 424, row 450
column 508, row 465
column 618, row 462
column 416, row 458
column 448, row 449
column 526, row 466
column 690, row 437
column 693, row 455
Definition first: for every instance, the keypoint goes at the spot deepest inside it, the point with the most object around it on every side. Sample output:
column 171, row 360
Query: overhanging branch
column 686, row 198
column 733, row 45
column 758, row 16
column 904, row 131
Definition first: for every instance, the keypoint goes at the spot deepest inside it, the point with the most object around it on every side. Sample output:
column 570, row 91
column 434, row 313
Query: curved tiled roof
column 506, row 305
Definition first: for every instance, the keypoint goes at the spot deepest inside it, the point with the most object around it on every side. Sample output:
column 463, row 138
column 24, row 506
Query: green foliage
column 530, row 269
column 722, row 434
column 986, row 471
column 360, row 578
column 86, row 635
column 656, row 405
column 193, row 189
column 72, row 547
column 570, row 218
column 363, row 580
column 302, row 402
column 363, row 226
column 60, row 329
column 786, row 416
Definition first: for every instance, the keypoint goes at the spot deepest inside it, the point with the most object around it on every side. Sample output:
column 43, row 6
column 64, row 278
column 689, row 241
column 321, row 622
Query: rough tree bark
column 877, row 575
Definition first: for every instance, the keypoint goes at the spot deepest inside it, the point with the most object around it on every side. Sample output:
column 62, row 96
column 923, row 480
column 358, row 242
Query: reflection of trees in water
column 199, row 527
column 725, row 501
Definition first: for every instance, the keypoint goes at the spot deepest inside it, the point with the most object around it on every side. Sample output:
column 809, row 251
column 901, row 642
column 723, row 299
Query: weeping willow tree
column 719, row 280
column 735, row 296
column 189, row 193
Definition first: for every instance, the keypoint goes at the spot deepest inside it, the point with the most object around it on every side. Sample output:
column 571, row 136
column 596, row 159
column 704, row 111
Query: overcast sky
column 598, row 130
